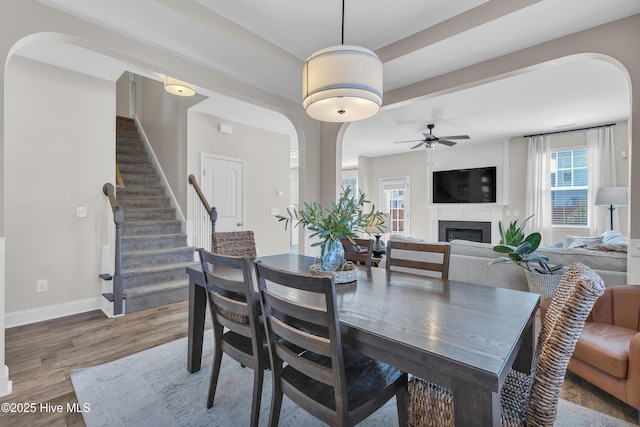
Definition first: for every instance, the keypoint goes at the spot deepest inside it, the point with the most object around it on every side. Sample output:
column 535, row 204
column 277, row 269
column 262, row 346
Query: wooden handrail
column 118, row 219
column 213, row 214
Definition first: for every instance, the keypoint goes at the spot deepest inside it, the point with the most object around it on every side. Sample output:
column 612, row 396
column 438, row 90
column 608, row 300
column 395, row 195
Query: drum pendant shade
column 342, row 84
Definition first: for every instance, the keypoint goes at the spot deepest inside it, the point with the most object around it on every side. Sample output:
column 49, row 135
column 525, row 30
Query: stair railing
column 118, row 217
column 211, row 212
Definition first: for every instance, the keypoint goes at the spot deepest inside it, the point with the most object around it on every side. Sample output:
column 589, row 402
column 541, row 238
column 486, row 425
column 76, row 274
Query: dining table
column 462, row 336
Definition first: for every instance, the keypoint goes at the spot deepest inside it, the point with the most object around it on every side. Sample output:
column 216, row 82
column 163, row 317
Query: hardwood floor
column 42, row 355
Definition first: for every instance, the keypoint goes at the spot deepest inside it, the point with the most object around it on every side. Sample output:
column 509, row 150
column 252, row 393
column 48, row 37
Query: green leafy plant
column 521, row 250
column 514, row 235
column 345, row 218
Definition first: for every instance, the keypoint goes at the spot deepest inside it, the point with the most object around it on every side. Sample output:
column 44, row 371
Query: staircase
column 154, row 249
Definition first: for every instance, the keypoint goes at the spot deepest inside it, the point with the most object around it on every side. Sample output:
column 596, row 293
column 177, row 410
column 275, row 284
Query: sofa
column 607, row 353
column 469, row 262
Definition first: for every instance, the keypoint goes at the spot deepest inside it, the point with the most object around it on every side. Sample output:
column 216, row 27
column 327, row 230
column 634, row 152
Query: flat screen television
column 477, row 185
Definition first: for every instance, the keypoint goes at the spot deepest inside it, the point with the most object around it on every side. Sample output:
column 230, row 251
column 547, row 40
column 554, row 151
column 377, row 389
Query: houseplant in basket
column 521, row 250
column 345, row 218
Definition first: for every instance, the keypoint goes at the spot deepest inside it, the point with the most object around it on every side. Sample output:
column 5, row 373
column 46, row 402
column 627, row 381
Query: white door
column 223, row 186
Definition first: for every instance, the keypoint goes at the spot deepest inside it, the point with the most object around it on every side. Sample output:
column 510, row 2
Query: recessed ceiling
column 265, row 44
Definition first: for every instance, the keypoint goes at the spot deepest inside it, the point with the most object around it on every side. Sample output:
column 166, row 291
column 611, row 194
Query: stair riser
column 134, row 180
column 135, row 169
column 129, row 134
column 149, row 214
column 151, row 243
column 134, row 260
column 158, row 298
column 141, row 190
column 133, row 159
column 155, row 277
column 144, row 202
column 151, row 229
column 130, row 150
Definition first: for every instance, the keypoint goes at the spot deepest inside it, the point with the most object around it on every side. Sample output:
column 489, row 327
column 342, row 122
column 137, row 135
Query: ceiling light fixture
column 342, row 83
column 178, row 87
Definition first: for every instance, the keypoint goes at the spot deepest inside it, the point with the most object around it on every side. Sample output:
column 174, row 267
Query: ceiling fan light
column 342, row 84
column 178, row 87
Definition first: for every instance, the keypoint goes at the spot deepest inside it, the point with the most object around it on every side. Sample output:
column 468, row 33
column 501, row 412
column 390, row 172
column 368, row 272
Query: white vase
column 543, row 284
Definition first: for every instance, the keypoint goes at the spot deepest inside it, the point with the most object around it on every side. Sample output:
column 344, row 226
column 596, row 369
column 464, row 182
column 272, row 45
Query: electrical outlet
column 42, row 285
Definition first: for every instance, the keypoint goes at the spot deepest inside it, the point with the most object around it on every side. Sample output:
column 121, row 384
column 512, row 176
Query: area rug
column 154, row 388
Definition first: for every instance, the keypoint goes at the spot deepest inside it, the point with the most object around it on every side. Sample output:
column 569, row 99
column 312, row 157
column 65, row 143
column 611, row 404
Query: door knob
column 239, row 224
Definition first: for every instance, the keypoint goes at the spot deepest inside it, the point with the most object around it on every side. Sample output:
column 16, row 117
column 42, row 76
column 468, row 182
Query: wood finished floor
column 42, row 355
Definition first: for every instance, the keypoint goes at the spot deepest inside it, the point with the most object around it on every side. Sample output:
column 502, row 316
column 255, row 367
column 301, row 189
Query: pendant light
column 342, row 83
column 178, row 87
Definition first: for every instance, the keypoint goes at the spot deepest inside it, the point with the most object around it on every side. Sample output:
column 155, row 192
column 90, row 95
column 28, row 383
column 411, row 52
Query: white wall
column 59, row 152
column 266, row 156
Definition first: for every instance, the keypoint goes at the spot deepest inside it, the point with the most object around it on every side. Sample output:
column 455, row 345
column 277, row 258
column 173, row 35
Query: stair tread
column 149, row 289
column 158, row 268
column 160, row 251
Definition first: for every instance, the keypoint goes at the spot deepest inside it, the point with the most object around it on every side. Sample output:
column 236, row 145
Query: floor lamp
column 611, row 196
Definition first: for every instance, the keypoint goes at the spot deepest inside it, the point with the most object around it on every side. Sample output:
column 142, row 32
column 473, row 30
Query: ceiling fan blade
column 429, row 136
column 411, row 140
column 446, row 142
column 418, row 145
column 455, row 137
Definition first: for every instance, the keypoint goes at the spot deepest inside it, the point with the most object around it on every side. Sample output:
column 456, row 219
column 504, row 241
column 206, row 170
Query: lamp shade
column 342, row 84
column 178, row 87
column 611, row 196
column 377, row 226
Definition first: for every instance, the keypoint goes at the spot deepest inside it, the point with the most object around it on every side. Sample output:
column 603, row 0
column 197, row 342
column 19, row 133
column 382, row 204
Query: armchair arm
column 633, row 374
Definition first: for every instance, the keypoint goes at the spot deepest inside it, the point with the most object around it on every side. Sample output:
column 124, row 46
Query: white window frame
column 405, row 182
column 570, row 226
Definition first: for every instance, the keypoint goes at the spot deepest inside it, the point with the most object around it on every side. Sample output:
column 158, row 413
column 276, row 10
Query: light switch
column 275, row 211
column 81, row 211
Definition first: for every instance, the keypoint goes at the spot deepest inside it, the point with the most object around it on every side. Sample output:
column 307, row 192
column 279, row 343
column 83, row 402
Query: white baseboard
column 25, row 317
column 5, row 384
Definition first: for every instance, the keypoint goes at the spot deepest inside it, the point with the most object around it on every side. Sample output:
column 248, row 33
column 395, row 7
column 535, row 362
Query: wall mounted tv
column 477, row 185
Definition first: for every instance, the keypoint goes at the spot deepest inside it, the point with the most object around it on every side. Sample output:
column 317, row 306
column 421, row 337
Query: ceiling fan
column 432, row 141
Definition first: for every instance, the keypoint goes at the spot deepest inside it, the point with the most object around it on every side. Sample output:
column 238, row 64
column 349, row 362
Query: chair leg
column 258, row 376
column 276, row 404
column 402, row 403
column 215, row 372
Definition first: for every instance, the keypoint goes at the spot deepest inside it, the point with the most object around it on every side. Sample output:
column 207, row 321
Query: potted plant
column 345, row 218
column 521, row 251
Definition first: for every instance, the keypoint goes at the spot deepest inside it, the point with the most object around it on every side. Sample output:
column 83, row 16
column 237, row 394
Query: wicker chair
column 526, row 400
column 234, row 243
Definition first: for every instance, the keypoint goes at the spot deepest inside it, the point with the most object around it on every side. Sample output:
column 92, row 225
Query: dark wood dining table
column 462, row 336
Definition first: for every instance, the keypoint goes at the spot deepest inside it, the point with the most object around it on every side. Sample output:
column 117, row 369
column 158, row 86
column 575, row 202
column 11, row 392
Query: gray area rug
column 154, row 388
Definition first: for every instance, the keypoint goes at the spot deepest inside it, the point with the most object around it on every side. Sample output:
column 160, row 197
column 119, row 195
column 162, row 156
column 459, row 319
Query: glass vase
column 332, row 257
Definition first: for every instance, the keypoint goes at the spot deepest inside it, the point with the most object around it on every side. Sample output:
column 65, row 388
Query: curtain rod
column 568, row 130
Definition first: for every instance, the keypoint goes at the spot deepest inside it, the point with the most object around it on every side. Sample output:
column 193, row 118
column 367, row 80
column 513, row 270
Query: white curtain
column 602, row 173
column 538, row 194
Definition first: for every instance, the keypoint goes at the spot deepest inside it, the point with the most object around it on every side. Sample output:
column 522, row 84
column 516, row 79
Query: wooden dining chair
column 234, row 243
column 530, row 400
column 360, row 251
column 339, row 386
column 412, row 257
column 234, row 305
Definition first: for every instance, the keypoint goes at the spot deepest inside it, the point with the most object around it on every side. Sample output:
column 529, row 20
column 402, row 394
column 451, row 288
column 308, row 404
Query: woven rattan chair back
column 526, row 400
column 436, row 257
column 234, row 243
column 300, row 313
column 237, row 329
column 360, row 251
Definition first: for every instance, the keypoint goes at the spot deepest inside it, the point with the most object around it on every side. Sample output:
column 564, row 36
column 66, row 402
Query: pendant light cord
column 342, row 40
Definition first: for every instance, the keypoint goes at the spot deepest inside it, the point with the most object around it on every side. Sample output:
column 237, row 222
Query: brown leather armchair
column 608, row 351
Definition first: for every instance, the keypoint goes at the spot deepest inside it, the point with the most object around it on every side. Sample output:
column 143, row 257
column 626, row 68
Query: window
column 569, row 187
column 350, row 179
column 395, row 199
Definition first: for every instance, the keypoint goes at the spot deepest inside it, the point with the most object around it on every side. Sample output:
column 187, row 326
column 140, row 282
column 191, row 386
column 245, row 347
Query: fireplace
column 475, row 231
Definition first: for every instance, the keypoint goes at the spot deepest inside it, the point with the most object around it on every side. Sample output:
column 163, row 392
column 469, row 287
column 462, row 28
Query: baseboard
column 5, row 384
column 24, row 317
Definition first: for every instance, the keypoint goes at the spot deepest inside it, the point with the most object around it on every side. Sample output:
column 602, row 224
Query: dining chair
column 234, row 243
column 339, row 386
column 360, row 251
column 237, row 329
column 413, row 257
column 526, row 399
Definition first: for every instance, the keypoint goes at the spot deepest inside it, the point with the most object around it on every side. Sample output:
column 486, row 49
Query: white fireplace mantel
column 468, row 212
